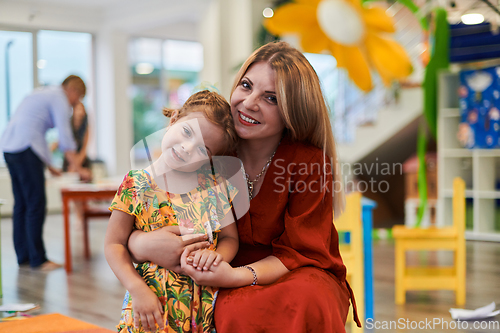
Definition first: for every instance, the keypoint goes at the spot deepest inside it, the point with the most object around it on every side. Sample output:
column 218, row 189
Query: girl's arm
column 147, row 307
column 227, row 247
column 228, row 243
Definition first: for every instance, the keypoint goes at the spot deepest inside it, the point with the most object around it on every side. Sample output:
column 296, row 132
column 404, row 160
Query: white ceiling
column 148, row 18
column 472, row 6
column 191, row 9
column 98, row 4
column 157, row 16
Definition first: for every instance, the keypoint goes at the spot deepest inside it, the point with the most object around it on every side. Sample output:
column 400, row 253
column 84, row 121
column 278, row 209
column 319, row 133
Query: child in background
column 179, row 188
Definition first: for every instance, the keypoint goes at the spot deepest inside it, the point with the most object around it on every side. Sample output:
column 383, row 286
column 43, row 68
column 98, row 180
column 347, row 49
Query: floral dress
column 187, row 306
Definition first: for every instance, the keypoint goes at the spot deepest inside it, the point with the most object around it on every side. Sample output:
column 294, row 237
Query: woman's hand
column 147, row 310
column 54, row 171
column 165, row 246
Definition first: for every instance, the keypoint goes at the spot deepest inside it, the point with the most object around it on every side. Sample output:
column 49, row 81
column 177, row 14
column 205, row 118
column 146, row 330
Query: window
column 164, row 74
column 62, row 53
column 57, row 55
column 16, row 71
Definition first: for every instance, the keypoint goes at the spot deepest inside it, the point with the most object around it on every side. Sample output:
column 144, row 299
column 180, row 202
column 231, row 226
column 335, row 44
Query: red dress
column 291, row 218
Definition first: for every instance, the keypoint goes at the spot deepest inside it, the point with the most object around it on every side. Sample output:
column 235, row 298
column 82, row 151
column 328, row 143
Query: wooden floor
column 93, row 294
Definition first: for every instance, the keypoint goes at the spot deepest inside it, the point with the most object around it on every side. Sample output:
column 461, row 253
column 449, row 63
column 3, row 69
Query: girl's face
column 190, row 141
column 254, row 105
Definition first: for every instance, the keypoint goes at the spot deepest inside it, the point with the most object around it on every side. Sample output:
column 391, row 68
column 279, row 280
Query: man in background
column 26, row 153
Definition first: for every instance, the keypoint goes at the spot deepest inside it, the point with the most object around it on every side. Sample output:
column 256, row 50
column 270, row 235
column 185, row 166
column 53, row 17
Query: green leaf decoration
column 223, row 197
column 138, row 209
column 126, row 195
column 184, row 299
column 439, row 60
column 180, row 315
column 422, row 174
column 206, row 297
column 171, row 322
column 165, row 203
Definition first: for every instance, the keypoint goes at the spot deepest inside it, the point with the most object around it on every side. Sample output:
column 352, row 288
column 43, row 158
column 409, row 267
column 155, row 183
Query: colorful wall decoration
column 356, row 34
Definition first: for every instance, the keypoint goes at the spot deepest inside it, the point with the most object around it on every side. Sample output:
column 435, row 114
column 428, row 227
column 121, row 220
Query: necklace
column 250, row 183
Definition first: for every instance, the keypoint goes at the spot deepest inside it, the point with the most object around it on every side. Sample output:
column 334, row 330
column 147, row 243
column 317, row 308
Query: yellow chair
column 446, row 238
column 352, row 253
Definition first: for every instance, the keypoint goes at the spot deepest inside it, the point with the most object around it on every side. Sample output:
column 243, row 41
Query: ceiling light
column 41, row 63
column 267, row 12
column 472, row 18
column 144, row 68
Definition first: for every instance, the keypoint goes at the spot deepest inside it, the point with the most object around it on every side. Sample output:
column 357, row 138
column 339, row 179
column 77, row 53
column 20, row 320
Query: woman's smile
column 245, row 119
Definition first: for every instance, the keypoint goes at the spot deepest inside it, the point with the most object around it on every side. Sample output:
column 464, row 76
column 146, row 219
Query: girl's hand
column 222, row 275
column 204, row 259
column 147, row 310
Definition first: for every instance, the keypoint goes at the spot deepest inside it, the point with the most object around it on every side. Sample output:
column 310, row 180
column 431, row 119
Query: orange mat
column 51, row 323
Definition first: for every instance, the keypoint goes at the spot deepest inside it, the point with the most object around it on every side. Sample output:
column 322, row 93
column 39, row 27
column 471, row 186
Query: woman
column 292, row 278
column 79, row 126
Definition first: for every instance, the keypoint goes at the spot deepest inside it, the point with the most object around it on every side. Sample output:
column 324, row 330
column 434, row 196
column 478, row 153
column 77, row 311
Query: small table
column 82, row 193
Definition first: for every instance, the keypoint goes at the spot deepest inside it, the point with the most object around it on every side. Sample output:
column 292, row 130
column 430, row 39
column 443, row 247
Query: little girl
column 164, row 299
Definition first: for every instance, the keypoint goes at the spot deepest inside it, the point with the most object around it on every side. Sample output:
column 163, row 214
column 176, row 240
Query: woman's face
column 254, row 105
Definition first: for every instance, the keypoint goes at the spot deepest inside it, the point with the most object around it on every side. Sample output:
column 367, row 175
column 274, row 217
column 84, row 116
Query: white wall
column 227, row 33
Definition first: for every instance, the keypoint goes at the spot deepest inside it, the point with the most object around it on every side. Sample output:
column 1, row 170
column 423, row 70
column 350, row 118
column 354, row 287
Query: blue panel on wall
column 479, row 94
column 473, row 42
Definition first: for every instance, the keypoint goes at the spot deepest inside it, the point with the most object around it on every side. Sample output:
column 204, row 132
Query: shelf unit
column 480, row 168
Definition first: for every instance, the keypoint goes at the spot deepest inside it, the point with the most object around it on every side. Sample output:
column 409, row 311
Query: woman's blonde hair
column 301, row 104
column 216, row 109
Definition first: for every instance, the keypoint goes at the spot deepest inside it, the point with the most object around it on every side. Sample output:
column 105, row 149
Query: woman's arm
column 83, row 151
column 268, row 270
column 164, row 246
column 147, row 307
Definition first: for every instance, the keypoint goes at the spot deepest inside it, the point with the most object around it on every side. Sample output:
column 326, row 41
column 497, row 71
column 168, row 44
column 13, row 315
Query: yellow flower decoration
column 354, row 34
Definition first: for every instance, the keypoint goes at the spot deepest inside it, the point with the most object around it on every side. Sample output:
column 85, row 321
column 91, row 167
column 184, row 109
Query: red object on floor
column 51, row 323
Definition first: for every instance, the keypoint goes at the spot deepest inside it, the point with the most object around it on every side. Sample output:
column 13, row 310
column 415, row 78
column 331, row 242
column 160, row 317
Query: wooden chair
column 91, row 212
column 446, row 238
column 352, row 253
